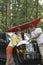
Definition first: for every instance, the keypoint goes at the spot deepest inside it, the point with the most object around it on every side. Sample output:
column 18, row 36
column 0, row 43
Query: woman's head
column 18, row 31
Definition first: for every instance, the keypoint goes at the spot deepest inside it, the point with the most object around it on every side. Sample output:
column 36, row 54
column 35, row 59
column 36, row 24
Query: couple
column 36, row 33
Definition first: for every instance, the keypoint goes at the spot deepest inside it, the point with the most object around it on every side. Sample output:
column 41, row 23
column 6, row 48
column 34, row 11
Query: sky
column 41, row 2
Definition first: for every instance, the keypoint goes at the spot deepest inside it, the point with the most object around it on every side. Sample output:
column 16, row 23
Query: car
column 24, row 53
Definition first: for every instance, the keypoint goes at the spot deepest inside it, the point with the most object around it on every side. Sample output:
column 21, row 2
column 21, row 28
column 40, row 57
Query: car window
column 9, row 34
column 27, row 36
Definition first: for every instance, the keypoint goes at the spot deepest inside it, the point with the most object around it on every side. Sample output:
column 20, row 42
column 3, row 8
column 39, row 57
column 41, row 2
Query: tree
column 17, row 12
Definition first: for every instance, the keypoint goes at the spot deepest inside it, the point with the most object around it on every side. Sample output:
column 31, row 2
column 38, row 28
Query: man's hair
column 31, row 26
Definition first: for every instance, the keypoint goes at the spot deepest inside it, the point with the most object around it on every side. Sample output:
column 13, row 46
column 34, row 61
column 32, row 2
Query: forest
column 17, row 12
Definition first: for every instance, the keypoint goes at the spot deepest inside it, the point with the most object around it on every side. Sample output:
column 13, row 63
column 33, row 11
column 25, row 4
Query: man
column 36, row 33
column 15, row 38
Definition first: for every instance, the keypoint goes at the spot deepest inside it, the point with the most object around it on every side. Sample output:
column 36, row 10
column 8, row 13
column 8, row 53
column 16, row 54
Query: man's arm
column 35, row 36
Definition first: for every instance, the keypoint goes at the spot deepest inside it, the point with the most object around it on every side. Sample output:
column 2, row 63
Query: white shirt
column 40, row 38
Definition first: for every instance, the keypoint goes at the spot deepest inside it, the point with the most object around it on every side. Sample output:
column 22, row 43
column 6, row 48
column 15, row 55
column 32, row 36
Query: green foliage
column 17, row 12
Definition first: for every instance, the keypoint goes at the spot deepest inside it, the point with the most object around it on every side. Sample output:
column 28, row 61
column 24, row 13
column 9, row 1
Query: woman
column 15, row 38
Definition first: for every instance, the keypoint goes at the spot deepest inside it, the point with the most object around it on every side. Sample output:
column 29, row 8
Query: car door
column 3, row 44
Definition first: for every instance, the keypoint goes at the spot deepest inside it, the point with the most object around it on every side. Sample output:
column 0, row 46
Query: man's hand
column 29, row 40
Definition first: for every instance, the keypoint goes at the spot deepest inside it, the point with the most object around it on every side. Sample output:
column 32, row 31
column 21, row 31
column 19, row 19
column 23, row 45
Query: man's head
column 31, row 27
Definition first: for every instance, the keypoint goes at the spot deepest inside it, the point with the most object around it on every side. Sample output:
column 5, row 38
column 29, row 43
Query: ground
column 2, row 63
